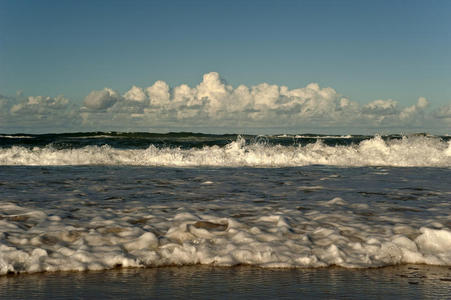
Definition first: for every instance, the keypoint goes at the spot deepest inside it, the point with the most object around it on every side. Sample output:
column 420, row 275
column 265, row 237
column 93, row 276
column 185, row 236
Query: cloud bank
column 37, row 113
column 215, row 106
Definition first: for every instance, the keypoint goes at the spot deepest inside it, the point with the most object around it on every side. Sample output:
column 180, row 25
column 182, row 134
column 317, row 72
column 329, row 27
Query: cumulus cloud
column 213, row 103
column 36, row 113
column 159, row 94
column 416, row 110
column 101, row 100
column 381, row 107
column 135, row 94
column 40, row 105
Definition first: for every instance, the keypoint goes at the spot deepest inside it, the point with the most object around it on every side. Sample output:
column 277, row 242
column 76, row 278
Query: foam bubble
column 36, row 240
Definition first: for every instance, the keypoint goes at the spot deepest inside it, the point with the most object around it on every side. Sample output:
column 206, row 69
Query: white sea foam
column 408, row 151
column 92, row 218
column 15, row 136
column 323, row 136
column 36, row 240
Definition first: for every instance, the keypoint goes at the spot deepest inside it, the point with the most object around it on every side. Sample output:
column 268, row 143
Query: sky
column 221, row 66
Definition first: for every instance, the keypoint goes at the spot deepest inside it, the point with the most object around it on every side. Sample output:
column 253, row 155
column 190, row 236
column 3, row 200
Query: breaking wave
column 412, row 151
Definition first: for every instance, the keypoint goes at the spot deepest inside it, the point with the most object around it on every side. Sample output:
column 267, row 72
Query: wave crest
column 409, row 151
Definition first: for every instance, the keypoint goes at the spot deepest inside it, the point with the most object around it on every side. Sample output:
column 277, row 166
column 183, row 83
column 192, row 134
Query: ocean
column 278, row 204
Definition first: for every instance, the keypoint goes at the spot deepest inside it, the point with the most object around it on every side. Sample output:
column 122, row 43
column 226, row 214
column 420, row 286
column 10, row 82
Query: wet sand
column 244, row 282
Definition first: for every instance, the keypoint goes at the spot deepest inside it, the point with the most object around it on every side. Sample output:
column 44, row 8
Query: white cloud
column 38, row 113
column 381, row 107
column 414, row 110
column 100, row 100
column 215, row 104
column 159, row 94
column 40, row 105
column 135, row 94
column 214, row 90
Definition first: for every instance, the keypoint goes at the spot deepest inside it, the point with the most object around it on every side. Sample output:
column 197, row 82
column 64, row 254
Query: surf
column 406, row 151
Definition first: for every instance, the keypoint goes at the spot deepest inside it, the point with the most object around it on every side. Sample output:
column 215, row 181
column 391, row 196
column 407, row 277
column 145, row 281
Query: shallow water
column 101, row 217
column 243, row 282
column 120, row 210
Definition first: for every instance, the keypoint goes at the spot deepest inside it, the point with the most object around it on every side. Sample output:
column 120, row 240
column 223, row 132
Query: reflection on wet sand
column 403, row 281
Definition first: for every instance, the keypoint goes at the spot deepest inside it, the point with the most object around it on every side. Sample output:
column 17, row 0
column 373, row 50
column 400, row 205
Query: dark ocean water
column 184, row 140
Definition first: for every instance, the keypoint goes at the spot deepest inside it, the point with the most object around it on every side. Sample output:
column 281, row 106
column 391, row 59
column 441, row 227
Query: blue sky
column 365, row 50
